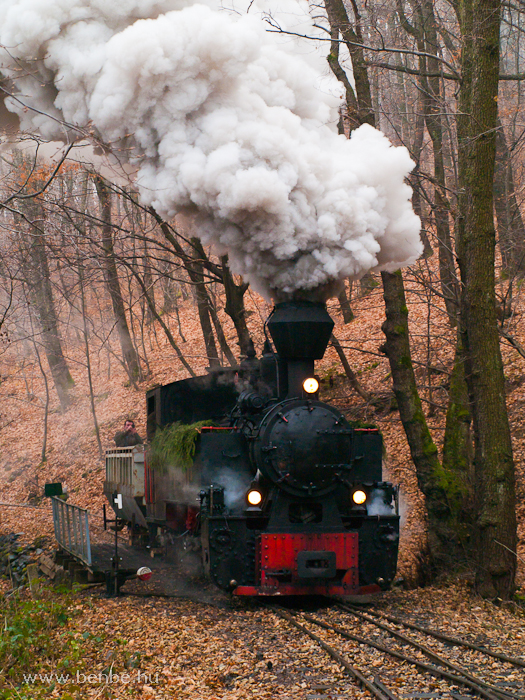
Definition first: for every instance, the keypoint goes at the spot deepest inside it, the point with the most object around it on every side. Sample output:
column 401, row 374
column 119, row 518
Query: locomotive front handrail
column 71, row 526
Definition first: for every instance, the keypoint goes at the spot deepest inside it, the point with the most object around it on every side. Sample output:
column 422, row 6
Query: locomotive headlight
column 311, row 385
column 254, row 497
column 359, row 497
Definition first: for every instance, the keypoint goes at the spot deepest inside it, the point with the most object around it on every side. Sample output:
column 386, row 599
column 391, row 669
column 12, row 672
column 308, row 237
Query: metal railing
column 125, row 466
column 72, row 529
column 119, row 464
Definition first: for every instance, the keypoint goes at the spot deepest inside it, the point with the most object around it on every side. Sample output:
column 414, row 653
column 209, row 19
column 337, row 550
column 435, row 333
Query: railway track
column 377, row 652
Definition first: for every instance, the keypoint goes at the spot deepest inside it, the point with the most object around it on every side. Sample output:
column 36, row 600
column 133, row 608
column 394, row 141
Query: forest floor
column 185, row 647
column 194, row 658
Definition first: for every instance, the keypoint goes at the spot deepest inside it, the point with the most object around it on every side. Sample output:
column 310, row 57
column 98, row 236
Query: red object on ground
column 144, row 573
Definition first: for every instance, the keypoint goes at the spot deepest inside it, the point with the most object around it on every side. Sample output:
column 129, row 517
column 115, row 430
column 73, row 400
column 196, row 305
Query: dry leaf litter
column 220, row 652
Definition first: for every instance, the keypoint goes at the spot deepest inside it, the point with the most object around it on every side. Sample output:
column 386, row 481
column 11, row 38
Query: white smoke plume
column 224, row 122
column 376, row 504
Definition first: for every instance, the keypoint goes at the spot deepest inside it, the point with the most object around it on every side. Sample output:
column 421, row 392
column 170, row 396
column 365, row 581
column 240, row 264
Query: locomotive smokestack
column 300, row 331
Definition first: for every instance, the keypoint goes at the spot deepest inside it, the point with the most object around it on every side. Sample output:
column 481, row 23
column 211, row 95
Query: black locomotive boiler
column 291, row 497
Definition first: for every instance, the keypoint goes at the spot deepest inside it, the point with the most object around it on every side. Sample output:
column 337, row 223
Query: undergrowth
column 37, row 649
column 174, row 446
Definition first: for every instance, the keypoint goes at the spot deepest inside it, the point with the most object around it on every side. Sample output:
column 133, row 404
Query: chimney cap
column 300, row 329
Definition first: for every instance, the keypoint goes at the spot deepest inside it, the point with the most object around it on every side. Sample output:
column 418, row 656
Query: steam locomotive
column 284, row 496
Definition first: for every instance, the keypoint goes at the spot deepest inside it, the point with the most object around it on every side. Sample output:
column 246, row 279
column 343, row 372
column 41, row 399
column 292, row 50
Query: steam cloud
column 223, row 121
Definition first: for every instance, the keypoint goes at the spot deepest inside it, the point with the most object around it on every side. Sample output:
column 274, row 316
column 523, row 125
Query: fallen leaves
column 236, row 650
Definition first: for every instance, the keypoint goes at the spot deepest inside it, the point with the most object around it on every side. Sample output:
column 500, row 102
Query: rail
column 72, row 529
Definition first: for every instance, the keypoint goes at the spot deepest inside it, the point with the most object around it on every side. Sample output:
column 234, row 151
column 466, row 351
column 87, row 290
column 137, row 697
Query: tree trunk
column 511, row 231
column 203, row 307
column 353, row 37
column 193, row 265
column 81, row 284
column 344, row 305
column 148, row 283
column 367, row 284
column 458, row 455
column 43, row 451
column 417, row 206
column 129, row 354
column 219, row 330
column 475, row 242
column 169, row 290
column 425, row 32
column 235, row 306
column 350, row 374
column 433, row 105
column 415, row 180
column 422, row 448
column 41, row 291
column 457, row 448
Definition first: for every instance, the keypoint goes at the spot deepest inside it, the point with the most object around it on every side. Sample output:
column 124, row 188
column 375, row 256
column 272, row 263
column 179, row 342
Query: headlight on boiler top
column 359, row 497
column 254, row 497
column 311, row 385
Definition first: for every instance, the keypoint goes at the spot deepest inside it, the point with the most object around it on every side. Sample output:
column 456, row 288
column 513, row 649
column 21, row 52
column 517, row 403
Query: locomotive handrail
column 71, row 526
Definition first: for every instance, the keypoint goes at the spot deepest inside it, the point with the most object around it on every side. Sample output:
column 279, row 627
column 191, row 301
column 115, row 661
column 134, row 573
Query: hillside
column 72, row 453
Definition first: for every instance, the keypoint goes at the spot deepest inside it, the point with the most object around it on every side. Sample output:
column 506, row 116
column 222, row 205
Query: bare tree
column 494, row 467
column 129, row 353
column 38, row 279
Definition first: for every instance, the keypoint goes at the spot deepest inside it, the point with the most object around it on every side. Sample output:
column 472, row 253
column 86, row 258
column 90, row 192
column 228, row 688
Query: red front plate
column 278, row 572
